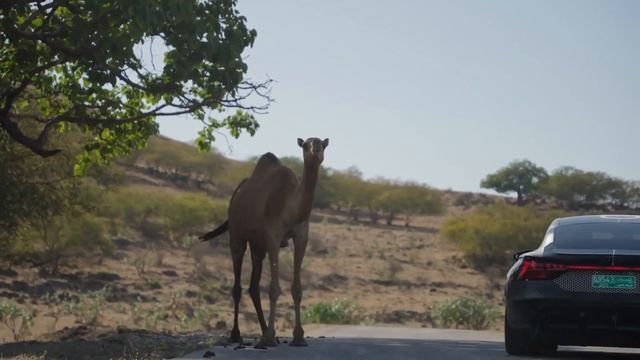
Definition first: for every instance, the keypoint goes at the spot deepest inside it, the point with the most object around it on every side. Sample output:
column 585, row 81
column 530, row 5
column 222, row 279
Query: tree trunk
column 373, row 215
column 407, row 220
column 390, row 217
column 520, row 198
column 355, row 213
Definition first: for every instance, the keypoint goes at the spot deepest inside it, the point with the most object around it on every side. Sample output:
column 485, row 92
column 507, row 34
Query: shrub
column 137, row 208
column 153, row 315
column 338, row 311
column 464, row 199
column 408, row 199
column 89, row 308
column 141, row 264
column 465, row 313
column 391, row 270
column 54, row 304
column 88, row 233
column 161, row 212
column 489, row 235
column 65, row 237
column 18, row 320
column 202, row 316
column 189, row 213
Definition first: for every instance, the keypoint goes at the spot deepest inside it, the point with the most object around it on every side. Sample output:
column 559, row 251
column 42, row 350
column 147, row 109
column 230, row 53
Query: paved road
column 374, row 343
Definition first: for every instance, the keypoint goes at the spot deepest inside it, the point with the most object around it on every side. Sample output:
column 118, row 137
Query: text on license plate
column 613, row 281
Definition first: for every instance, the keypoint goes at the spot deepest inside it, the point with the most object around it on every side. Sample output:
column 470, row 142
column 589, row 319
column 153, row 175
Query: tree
column 409, row 199
column 521, row 177
column 576, row 188
column 45, row 214
column 31, row 189
column 80, row 62
column 348, row 190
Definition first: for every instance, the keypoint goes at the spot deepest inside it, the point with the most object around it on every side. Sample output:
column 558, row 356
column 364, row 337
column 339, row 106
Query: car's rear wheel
column 521, row 341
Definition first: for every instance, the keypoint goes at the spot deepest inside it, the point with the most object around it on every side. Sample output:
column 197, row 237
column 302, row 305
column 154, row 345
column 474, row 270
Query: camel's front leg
column 269, row 336
column 300, row 246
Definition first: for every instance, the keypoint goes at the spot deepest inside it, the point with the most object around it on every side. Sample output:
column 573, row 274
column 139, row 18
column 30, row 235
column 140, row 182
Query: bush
column 488, row 236
column 89, row 308
column 63, row 237
column 408, row 199
column 339, row 311
column 87, row 233
column 18, row 320
column 138, row 208
column 159, row 213
column 465, row 200
column 189, row 213
column 465, row 313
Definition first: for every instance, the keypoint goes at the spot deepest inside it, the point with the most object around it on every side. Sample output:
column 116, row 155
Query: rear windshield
column 598, row 236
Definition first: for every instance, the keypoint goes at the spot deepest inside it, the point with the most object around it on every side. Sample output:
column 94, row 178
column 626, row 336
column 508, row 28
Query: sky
column 445, row 92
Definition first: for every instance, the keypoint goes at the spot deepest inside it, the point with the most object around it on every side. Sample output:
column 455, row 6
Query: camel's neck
column 306, row 190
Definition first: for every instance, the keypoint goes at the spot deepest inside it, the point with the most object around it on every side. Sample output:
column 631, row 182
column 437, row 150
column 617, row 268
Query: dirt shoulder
column 81, row 343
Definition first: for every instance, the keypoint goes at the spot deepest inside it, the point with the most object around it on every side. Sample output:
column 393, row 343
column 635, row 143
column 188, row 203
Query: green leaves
column 338, row 311
column 37, row 22
column 521, row 177
column 87, row 63
column 235, row 124
column 465, row 313
column 573, row 188
column 488, row 236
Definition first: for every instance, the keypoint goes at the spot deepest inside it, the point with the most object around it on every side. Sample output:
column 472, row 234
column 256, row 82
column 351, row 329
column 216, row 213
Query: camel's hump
column 269, row 158
column 266, row 161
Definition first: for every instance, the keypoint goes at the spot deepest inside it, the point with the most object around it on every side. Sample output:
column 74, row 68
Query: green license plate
column 613, row 282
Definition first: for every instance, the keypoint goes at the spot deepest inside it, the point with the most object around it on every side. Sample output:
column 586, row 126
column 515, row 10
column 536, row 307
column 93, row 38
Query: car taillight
column 534, row 270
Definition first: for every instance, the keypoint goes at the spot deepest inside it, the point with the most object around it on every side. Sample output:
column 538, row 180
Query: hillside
column 394, row 272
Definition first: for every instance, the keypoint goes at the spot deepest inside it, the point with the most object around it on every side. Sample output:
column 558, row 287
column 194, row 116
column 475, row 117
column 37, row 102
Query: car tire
column 517, row 341
column 521, row 342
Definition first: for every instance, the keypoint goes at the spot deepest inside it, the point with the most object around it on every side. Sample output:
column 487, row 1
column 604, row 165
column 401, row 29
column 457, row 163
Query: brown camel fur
column 268, row 208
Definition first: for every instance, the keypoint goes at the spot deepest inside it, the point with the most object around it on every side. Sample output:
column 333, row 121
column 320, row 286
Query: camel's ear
column 325, row 143
column 300, row 142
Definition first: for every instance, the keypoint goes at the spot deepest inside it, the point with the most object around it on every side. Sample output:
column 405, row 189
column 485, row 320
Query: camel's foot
column 235, row 336
column 298, row 337
column 301, row 342
column 268, row 339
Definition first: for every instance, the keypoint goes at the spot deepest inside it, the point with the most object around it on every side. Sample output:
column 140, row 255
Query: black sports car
column 580, row 287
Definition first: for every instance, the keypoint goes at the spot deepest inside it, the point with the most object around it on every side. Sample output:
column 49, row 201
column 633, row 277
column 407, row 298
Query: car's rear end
column 581, row 287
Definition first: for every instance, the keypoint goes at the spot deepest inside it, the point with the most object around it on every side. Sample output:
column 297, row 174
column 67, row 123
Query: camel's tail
column 225, row 225
column 216, row 232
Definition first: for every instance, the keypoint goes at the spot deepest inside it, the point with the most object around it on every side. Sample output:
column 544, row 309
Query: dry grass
column 385, row 269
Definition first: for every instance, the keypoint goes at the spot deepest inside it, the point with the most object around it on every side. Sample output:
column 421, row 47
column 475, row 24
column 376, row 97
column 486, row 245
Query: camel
column 268, row 208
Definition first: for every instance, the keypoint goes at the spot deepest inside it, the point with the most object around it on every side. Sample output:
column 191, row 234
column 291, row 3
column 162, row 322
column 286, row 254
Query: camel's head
column 313, row 149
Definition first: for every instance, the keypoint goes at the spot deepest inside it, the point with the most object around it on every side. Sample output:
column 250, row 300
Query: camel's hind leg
column 269, row 336
column 238, row 249
column 257, row 257
column 300, row 246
